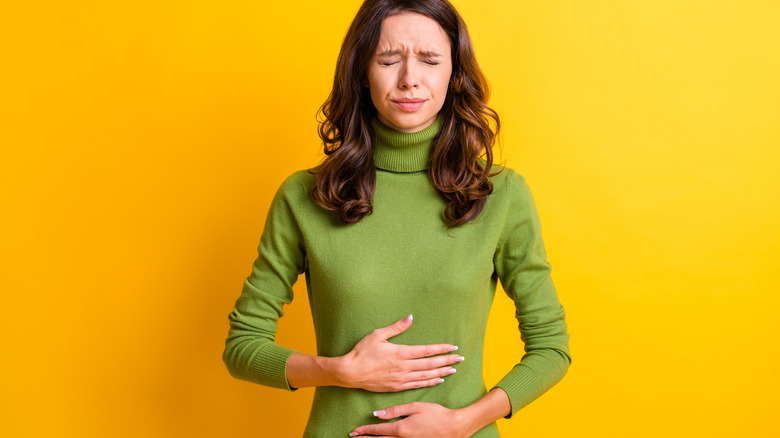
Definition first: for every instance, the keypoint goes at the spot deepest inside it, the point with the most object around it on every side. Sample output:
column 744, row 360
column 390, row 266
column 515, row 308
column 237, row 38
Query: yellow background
column 142, row 143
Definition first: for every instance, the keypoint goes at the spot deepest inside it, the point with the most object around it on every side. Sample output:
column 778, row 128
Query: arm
column 521, row 265
column 251, row 352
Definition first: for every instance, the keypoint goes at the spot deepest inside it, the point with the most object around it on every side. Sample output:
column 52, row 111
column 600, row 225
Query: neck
column 401, row 152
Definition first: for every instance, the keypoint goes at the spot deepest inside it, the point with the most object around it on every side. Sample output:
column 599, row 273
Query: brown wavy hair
column 462, row 157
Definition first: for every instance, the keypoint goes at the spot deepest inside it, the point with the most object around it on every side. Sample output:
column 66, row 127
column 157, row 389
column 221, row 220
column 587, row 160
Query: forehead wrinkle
column 420, row 52
column 410, row 37
column 413, row 45
column 407, row 45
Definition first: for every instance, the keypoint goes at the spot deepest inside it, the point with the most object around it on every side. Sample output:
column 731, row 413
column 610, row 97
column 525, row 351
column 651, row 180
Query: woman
column 404, row 216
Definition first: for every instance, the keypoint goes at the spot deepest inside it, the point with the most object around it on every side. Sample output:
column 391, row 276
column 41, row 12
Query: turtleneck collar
column 399, row 152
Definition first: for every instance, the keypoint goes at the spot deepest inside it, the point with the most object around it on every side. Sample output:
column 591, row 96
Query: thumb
column 395, row 328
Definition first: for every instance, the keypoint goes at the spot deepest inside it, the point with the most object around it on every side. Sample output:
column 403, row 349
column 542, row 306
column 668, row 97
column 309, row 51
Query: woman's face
column 410, row 71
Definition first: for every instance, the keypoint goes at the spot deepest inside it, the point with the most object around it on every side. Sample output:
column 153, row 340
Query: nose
column 408, row 79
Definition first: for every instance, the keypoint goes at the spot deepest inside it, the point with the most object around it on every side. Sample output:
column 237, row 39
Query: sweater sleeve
column 522, row 267
column 251, row 352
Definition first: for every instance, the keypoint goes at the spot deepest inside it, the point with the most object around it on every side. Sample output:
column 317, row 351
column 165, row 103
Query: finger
column 394, row 329
column 414, row 384
column 430, row 374
column 356, row 435
column 431, row 363
column 403, row 410
column 386, row 430
column 418, row 351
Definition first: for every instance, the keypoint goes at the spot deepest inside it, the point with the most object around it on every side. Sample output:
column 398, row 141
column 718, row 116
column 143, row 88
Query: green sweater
column 400, row 260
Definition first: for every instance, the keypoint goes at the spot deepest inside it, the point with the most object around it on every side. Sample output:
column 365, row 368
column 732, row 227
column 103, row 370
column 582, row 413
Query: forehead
column 411, row 31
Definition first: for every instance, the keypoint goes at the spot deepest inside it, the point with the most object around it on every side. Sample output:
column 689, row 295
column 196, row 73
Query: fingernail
column 460, row 359
column 378, row 413
column 409, row 318
column 440, row 380
column 453, row 348
column 451, row 371
column 353, row 434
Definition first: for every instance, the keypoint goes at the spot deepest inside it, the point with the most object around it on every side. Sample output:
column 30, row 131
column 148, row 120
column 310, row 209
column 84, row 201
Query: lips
column 409, row 104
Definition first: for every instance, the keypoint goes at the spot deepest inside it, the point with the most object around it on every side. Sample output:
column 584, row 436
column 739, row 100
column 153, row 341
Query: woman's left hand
column 428, row 420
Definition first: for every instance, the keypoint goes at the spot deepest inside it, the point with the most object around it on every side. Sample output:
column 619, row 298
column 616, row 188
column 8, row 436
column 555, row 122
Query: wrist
column 339, row 370
column 491, row 407
column 330, row 370
column 304, row 370
column 467, row 419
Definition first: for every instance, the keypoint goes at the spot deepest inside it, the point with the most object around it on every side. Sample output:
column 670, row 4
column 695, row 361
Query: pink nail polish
column 378, row 413
column 451, row 371
column 353, row 434
column 460, row 359
column 453, row 348
column 440, row 380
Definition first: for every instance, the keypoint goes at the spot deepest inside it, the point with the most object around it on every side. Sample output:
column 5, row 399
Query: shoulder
column 509, row 185
column 512, row 200
column 300, row 179
column 296, row 186
column 293, row 195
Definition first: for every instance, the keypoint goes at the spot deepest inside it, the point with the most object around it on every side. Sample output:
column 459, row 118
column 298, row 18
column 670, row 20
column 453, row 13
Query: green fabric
column 401, row 260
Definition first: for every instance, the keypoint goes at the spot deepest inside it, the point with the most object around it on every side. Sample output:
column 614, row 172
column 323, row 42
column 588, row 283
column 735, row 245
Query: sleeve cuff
column 270, row 366
column 522, row 386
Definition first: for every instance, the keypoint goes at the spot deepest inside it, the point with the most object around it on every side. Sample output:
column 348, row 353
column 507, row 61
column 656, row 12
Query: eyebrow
column 428, row 53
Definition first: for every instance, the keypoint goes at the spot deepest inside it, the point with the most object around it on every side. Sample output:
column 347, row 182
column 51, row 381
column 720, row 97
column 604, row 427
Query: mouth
column 409, row 104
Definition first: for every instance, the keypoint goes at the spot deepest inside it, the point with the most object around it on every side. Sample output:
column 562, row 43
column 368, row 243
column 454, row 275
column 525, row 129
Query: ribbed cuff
column 522, row 386
column 269, row 366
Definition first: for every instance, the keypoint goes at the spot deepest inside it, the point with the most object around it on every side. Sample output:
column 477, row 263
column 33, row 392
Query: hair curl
column 462, row 158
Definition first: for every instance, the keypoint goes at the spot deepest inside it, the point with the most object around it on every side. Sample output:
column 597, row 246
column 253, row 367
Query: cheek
column 443, row 83
column 372, row 82
column 376, row 92
column 375, row 99
column 377, row 81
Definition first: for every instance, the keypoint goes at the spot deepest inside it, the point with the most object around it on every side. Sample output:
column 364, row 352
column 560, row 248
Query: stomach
column 336, row 411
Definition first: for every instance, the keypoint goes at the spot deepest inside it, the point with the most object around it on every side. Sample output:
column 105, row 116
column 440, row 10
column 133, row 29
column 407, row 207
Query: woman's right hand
column 380, row 366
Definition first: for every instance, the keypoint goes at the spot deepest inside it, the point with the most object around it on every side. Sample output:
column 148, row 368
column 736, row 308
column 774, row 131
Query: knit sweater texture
column 401, row 259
